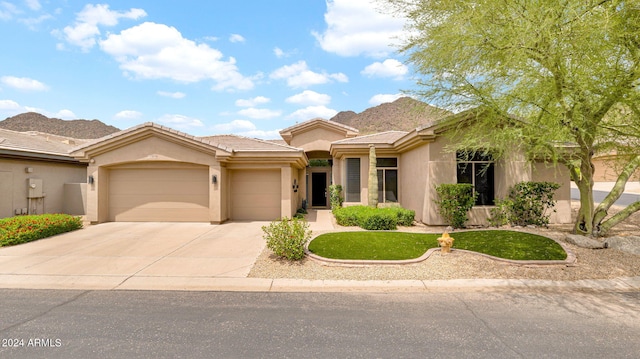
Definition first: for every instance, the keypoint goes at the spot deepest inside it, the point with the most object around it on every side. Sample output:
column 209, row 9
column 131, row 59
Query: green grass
column 399, row 245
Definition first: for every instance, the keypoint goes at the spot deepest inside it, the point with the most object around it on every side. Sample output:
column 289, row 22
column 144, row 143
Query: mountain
column 404, row 114
column 31, row 121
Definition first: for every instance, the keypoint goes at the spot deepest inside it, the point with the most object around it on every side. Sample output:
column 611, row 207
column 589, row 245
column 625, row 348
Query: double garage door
column 182, row 194
column 159, row 195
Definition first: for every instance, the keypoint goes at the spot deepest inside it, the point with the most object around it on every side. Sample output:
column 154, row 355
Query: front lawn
column 400, row 245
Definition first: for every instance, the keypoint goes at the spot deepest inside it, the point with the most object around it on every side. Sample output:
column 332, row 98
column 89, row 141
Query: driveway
column 134, row 255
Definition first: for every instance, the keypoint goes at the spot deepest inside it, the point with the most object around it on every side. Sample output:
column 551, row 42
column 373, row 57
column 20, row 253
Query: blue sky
column 249, row 67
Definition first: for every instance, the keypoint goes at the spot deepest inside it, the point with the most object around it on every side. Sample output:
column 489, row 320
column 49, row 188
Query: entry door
column 318, row 189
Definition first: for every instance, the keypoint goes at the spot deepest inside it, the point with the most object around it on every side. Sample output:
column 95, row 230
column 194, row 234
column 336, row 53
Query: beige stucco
column 14, row 174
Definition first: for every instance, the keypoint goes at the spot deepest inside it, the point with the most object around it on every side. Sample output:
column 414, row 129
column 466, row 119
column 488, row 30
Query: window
column 477, row 169
column 387, row 180
column 352, row 190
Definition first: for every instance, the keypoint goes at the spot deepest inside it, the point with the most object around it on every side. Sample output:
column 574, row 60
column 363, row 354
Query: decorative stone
column 445, row 243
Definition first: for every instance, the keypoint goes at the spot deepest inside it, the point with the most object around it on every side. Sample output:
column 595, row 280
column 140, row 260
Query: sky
column 246, row 67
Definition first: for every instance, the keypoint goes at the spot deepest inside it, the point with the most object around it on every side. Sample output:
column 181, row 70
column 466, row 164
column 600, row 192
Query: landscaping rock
column 584, row 242
column 629, row 244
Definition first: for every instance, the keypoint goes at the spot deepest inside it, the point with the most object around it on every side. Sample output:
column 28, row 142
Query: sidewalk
column 320, row 221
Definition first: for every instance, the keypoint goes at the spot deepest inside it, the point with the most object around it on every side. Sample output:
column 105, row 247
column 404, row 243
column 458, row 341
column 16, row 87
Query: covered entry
column 159, row 193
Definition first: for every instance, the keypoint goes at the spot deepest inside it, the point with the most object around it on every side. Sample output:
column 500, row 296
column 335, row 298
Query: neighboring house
column 37, row 175
column 153, row 173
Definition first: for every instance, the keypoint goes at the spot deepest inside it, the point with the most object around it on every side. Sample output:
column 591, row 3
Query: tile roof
column 37, row 142
column 240, row 143
column 388, row 137
column 333, row 123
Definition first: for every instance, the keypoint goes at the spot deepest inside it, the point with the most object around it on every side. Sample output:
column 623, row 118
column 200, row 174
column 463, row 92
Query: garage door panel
column 255, row 195
column 171, row 194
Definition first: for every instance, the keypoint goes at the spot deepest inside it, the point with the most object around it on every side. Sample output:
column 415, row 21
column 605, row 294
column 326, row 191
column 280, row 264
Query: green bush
column 286, row 237
column 526, row 204
column 378, row 221
column 455, row 201
column 374, row 218
column 335, row 196
column 23, row 229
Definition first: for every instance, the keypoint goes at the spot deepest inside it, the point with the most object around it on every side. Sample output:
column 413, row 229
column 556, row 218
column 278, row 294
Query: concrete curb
column 218, row 284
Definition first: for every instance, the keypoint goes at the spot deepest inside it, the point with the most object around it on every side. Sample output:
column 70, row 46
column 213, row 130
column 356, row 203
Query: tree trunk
column 601, row 226
column 584, row 222
column 373, row 177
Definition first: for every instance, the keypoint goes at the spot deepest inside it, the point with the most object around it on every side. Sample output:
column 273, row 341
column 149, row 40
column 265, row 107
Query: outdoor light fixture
column 295, row 185
column 214, row 179
column 90, row 180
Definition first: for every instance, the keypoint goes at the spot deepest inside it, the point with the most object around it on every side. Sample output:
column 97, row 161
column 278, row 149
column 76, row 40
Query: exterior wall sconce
column 295, row 185
column 214, row 179
column 90, row 179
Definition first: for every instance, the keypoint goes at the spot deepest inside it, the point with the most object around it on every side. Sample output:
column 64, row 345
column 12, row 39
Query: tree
column 560, row 76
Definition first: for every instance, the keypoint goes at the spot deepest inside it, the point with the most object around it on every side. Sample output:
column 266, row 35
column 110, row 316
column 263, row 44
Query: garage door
column 255, row 195
column 159, row 195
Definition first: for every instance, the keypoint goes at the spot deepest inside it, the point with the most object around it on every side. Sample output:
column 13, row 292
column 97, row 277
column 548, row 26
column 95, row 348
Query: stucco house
column 153, row 173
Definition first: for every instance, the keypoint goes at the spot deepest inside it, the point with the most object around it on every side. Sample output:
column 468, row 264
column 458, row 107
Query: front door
column 319, row 189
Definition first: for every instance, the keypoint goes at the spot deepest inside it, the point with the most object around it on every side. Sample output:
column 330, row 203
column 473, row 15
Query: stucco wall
column 317, row 139
column 559, row 174
column 13, row 185
column 413, row 173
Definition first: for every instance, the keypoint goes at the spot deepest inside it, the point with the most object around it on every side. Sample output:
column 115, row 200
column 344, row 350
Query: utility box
column 34, row 186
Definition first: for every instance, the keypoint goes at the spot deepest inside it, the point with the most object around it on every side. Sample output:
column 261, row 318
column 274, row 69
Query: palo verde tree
column 559, row 77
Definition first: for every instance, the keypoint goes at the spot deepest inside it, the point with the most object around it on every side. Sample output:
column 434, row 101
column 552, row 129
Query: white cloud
column 251, row 102
column 259, row 113
column 176, row 95
column 7, row 10
column 34, row 21
column 308, row 97
column 298, row 75
column 23, row 83
column 9, row 105
column 157, row 51
column 278, row 52
column 180, row 122
column 65, row 115
column 234, row 126
column 388, row 68
column 128, row 115
column 236, row 38
column 383, row 98
column 33, row 4
column 356, row 27
column 311, row 112
column 85, row 29
column 245, row 128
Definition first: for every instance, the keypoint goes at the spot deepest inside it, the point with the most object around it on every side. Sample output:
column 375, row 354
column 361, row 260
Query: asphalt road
column 135, row 324
column 598, row 196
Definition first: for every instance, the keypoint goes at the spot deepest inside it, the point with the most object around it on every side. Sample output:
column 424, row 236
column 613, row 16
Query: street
column 479, row 324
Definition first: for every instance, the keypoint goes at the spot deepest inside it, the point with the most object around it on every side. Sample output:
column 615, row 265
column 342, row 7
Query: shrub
column 378, row 221
column 455, row 202
column 526, row 204
column 374, row 218
column 286, row 237
column 335, row 196
column 23, row 229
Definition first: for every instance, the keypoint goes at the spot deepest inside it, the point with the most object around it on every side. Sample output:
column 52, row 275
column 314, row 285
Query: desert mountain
column 404, row 114
column 31, row 121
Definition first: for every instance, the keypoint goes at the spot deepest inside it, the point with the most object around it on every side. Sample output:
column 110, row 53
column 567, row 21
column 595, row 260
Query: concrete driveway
column 134, row 256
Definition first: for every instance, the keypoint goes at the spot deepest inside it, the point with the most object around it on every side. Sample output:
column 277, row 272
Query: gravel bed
column 590, row 264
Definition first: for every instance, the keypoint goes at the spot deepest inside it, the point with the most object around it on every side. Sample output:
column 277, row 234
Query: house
column 153, row 173
column 37, row 175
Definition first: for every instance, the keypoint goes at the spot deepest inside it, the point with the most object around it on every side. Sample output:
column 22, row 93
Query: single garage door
column 255, row 195
column 159, row 195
